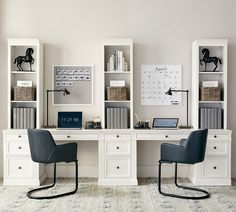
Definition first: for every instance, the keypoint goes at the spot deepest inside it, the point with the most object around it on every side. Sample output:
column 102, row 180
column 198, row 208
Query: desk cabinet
column 118, row 159
column 216, row 168
column 19, row 169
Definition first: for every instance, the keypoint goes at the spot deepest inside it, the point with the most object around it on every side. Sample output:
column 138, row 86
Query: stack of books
column 117, row 117
column 117, row 62
column 23, row 117
column 211, row 118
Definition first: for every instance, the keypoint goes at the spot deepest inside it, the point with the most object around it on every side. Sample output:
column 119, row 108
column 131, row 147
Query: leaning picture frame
column 77, row 79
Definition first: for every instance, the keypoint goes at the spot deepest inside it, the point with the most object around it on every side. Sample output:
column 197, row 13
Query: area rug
column 91, row 197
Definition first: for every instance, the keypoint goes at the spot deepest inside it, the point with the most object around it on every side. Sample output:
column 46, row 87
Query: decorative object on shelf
column 94, row 123
column 141, row 124
column 117, row 93
column 78, row 79
column 117, row 62
column 155, row 80
column 24, row 94
column 207, row 59
column 170, row 91
column 65, row 93
column 27, row 59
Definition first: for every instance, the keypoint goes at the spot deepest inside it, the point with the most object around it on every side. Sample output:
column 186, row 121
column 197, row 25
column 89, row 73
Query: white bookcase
column 19, row 169
column 216, row 168
column 109, row 48
column 217, row 48
column 18, row 47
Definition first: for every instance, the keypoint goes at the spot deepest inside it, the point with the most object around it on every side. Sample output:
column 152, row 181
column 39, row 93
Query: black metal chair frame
column 29, row 194
column 207, row 195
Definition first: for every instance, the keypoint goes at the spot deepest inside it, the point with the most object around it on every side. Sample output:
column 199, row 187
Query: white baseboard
column 92, row 171
column 167, row 170
column 69, row 171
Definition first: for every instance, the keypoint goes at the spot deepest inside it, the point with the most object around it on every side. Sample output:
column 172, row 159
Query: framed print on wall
column 77, row 79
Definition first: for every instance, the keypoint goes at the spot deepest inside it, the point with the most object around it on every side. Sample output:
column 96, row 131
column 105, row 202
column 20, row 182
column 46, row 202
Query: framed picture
column 77, row 79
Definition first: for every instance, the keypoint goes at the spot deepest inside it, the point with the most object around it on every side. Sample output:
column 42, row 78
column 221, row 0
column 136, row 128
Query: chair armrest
column 183, row 142
column 64, row 153
column 171, row 152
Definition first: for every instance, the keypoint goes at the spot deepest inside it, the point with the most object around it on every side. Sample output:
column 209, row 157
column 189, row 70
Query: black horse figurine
column 207, row 59
column 27, row 59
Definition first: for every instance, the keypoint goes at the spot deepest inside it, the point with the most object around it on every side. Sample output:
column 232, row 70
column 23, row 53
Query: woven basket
column 24, row 94
column 210, row 94
column 117, row 93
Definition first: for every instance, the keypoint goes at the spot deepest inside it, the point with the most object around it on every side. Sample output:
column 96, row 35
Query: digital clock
column 70, row 120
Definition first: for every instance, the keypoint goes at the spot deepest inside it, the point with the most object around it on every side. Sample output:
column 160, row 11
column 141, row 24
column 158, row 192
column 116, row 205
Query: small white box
column 210, row 84
column 117, row 83
column 24, row 83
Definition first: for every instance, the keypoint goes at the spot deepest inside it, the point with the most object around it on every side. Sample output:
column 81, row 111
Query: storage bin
column 210, row 94
column 117, row 93
column 24, row 94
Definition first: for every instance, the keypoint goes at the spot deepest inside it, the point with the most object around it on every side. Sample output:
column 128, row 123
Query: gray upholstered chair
column 44, row 150
column 189, row 151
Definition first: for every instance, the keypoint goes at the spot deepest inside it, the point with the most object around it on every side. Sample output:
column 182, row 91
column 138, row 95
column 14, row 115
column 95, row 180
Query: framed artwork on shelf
column 77, row 79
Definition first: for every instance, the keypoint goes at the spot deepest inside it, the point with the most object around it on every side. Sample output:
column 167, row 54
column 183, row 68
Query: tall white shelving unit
column 216, row 168
column 108, row 48
column 17, row 47
column 19, row 169
column 218, row 48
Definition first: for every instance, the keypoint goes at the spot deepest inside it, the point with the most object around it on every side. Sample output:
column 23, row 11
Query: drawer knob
column 117, row 136
column 214, row 167
column 215, row 136
column 68, row 136
column 19, row 147
column 215, row 147
column 117, row 147
column 117, row 167
column 166, row 136
column 19, row 136
column 19, row 167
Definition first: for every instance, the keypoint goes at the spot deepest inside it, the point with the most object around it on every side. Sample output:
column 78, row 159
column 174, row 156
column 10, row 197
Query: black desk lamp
column 169, row 92
column 65, row 93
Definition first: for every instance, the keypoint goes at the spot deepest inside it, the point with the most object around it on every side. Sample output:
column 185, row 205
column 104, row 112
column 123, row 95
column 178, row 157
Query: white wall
column 163, row 31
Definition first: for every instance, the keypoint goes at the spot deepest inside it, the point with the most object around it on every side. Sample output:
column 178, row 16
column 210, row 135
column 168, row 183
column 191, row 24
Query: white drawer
column 17, row 137
column 217, row 148
column 215, row 168
column 18, row 148
column 117, row 147
column 70, row 136
column 118, row 136
column 117, row 167
column 219, row 137
column 20, row 168
column 160, row 136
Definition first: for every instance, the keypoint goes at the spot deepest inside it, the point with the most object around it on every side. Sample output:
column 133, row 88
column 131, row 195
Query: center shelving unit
column 109, row 49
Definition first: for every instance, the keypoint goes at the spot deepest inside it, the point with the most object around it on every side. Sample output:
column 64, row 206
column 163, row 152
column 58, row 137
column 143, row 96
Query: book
column 108, row 118
column 28, row 117
column 21, row 118
column 205, row 118
column 125, row 118
column 219, row 115
column 112, row 118
column 118, row 118
column 202, row 125
column 32, row 117
column 14, row 118
column 115, row 118
column 122, row 118
column 212, row 118
column 209, row 84
column 24, row 118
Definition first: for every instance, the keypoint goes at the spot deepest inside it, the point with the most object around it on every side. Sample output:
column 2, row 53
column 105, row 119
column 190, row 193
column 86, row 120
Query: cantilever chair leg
column 207, row 195
column 29, row 194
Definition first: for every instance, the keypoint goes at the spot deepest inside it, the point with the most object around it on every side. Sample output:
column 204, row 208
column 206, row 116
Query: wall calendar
column 156, row 80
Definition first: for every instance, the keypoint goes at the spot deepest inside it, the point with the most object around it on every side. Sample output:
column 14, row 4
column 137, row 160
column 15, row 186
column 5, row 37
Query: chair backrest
column 196, row 146
column 41, row 144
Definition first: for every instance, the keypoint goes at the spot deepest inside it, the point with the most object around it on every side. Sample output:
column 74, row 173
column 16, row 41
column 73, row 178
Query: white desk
column 117, row 155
